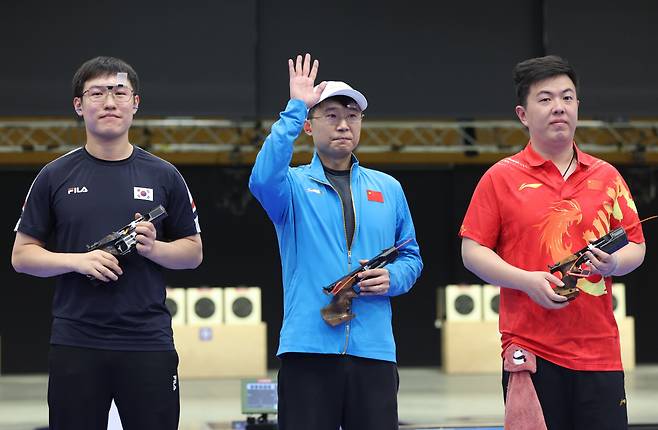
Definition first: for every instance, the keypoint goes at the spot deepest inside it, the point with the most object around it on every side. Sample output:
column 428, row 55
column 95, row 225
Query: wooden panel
column 474, row 347
column 217, row 351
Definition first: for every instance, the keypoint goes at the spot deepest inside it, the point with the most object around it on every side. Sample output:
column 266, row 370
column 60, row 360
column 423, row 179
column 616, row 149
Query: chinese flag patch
column 375, row 196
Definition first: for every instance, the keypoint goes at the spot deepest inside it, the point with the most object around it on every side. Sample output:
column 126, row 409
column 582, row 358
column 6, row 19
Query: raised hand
column 302, row 80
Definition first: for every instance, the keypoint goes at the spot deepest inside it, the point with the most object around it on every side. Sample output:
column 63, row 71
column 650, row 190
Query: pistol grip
column 339, row 310
column 570, row 290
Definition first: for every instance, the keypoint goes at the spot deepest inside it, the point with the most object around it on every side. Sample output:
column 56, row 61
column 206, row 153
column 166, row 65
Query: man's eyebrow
column 567, row 90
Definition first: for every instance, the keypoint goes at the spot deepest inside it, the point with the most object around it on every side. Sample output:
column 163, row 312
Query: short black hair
column 343, row 100
column 102, row 66
column 534, row 70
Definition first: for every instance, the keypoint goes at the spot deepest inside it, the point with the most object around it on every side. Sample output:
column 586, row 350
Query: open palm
column 302, row 80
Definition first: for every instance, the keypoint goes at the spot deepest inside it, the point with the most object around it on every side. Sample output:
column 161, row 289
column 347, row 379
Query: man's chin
column 336, row 153
column 344, row 151
column 110, row 134
column 340, row 145
column 562, row 136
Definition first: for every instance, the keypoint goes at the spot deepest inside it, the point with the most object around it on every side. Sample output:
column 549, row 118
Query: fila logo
column 313, row 190
column 175, row 383
column 77, row 190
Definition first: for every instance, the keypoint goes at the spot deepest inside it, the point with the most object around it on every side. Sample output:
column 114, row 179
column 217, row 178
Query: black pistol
column 570, row 268
column 122, row 241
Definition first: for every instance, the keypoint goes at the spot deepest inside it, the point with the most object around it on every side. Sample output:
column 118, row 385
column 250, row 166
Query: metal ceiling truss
column 431, row 137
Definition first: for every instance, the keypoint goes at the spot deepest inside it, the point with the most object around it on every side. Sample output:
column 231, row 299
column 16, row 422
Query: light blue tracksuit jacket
column 308, row 216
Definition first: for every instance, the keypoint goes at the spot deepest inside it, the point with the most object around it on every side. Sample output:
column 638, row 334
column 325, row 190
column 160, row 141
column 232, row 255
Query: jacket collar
column 317, row 171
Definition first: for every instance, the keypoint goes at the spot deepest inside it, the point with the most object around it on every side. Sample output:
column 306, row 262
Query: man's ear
column 77, row 105
column 520, row 112
column 136, row 103
column 308, row 129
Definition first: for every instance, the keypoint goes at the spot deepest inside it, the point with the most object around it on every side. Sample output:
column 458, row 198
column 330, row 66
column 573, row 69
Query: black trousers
column 578, row 400
column 82, row 383
column 327, row 391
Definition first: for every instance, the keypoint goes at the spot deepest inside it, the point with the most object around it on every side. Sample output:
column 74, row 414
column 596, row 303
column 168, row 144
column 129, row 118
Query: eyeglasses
column 121, row 94
column 334, row 119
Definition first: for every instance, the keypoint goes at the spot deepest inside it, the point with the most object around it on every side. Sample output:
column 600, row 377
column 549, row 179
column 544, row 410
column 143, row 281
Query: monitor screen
column 259, row 396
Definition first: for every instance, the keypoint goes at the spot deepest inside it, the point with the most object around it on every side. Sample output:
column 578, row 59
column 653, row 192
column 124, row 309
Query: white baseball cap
column 337, row 88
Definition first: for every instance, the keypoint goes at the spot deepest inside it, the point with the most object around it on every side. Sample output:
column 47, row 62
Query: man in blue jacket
column 329, row 216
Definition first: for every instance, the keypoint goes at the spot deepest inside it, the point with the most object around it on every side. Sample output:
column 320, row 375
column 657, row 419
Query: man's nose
column 558, row 106
column 109, row 101
column 342, row 124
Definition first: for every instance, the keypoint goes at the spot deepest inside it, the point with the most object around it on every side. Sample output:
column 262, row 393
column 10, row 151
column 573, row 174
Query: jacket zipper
column 347, row 324
column 349, row 259
column 349, row 249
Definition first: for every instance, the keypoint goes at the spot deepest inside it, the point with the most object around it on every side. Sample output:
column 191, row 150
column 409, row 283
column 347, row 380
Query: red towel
column 522, row 408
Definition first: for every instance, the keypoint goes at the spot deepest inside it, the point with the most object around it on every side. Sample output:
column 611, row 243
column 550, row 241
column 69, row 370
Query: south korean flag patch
column 140, row 193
